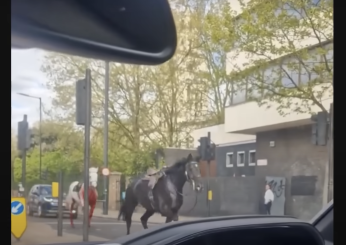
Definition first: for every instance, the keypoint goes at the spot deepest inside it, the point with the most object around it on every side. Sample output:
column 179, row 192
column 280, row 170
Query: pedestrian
column 268, row 199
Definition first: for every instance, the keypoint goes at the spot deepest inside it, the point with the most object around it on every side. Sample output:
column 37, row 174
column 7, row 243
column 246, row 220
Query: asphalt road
column 106, row 228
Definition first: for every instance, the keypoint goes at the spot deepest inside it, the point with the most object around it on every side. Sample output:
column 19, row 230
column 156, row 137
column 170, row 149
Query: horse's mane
column 176, row 166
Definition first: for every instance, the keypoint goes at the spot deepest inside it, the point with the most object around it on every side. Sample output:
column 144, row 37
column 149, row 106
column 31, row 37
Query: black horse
column 167, row 193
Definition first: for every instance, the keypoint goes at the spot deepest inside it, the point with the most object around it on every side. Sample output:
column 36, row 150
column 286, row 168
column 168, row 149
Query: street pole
column 105, row 138
column 40, row 129
column 208, row 161
column 87, row 156
column 331, row 154
column 60, row 203
column 40, row 137
column 24, row 171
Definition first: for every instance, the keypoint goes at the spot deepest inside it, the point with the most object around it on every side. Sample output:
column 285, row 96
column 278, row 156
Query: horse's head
column 193, row 174
column 93, row 176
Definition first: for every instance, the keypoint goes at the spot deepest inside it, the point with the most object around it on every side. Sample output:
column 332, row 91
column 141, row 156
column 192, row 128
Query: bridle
column 91, row 181
column 188, row 178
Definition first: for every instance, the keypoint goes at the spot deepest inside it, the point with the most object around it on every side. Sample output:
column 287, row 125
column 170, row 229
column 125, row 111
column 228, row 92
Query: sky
column 27, row 78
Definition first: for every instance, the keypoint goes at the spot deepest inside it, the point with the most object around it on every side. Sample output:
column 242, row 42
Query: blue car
column 40, row 201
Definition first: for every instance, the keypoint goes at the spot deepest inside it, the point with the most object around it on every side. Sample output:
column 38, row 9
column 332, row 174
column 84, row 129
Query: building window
column 240, row 159
column 252, row 158
column 229, row 160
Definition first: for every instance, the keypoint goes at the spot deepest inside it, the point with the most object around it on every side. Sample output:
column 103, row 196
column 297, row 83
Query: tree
column 282, row 69
column 147, row 104
column 214, row 18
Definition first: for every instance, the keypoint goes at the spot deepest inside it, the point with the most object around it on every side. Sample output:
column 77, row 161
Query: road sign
column 105, row 171
column 18, row 216
column 55, row 189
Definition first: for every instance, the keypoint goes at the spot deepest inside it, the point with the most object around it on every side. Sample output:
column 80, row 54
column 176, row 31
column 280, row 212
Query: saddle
column 153, row 175
column 77, row 187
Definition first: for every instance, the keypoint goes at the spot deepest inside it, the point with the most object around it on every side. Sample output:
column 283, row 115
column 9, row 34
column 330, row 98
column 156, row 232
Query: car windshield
column 245, row 105
column 46, row 190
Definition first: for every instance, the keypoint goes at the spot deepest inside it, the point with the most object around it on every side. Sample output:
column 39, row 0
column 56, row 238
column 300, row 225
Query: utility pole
column 105, row 138
column 40, row 129
column 23, row 143
column 331, row 154
column 206, row 152
column 322, row 135
column 83, row 117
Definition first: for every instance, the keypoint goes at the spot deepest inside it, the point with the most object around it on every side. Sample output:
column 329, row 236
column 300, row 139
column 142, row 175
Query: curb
column 110, row 217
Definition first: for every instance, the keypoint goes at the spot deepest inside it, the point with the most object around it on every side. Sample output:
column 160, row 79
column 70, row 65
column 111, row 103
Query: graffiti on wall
column 277, row 186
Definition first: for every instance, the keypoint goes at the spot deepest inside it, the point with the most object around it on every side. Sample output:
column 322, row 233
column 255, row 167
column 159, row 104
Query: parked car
column 40, row 201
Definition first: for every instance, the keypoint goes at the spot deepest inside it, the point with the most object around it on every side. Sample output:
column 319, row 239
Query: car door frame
column 323, row 221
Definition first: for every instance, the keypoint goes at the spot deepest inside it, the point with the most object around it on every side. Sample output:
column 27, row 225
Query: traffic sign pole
column 105, row 172
column 105, row 138
column 18, row 217
column 60, row 204
column 87, row 156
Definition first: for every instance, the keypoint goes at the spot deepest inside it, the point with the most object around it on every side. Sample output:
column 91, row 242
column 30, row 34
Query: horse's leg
column 175, row 217
column 145, row 217
column 168, row 219
column 91, row 211
column 128, row 217
column 71, row 214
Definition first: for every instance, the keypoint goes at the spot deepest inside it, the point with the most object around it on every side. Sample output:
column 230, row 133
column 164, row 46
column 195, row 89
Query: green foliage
column 279, row 69
column 219, row 54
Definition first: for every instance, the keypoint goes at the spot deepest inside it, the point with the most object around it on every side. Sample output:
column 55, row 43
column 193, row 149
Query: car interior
column 136, row 32
column 280, row 235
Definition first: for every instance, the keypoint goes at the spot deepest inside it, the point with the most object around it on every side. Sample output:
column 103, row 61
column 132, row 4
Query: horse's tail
column 122, row 212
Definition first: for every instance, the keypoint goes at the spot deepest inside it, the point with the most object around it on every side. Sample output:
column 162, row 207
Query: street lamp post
column 40, row 126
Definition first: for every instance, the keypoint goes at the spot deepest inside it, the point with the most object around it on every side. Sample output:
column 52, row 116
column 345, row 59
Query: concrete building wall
column 252, row 118
column 293, row 154
column 231, row 196
column 223, row 166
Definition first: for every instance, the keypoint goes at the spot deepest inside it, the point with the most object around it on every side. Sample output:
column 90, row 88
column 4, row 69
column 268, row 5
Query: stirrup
column 151, row 199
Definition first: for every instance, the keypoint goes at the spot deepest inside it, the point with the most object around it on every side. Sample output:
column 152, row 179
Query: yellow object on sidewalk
column 18, row 216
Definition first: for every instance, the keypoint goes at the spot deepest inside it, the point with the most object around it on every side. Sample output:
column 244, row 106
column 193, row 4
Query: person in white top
column 268, row 199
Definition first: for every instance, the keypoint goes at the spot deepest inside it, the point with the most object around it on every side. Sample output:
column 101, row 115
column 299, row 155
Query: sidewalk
column 136, row 217
column 40, row 233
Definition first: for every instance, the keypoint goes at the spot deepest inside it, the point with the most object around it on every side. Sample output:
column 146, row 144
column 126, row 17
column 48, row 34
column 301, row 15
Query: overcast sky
column 27, row 78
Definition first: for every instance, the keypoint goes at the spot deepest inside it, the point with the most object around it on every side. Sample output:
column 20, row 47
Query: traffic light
column 23, row 135
column 82, row 98
column 206, row 150
column 320, row 128
column 212, row 151
column 203, row 144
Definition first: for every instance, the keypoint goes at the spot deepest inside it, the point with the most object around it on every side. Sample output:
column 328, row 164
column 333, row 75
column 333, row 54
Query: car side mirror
column 35, row 193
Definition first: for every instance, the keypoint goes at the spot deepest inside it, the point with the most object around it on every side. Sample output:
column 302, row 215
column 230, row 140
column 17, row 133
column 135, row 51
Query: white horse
column 75, row 195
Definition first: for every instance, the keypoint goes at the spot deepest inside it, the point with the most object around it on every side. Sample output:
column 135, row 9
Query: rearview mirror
column 127, row 31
